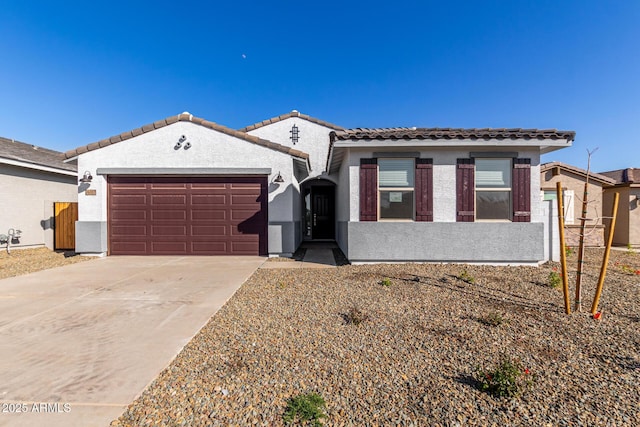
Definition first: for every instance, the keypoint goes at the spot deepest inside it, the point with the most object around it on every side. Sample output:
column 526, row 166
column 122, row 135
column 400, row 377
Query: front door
column 322, row 213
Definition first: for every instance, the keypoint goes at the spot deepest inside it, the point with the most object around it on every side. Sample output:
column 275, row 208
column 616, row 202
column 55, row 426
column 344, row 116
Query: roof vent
column 296, row 112
column 413, row 128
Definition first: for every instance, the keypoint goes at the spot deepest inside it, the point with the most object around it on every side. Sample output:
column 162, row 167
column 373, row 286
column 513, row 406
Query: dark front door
column 322, row 213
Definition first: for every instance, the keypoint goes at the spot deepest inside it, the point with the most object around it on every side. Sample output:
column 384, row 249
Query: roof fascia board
column 37, row 167
column 451, row 143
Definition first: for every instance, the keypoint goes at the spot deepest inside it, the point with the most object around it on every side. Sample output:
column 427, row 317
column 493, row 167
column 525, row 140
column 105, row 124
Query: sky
column 75, row 72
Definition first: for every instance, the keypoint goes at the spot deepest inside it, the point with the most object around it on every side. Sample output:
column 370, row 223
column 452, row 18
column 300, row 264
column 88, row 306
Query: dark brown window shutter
column 521, row 188
column 465, row 190
column 424, row 190
column 368, row 189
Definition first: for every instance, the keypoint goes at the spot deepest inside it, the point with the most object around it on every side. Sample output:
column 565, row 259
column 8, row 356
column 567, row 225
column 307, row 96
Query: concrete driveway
column 81, row 342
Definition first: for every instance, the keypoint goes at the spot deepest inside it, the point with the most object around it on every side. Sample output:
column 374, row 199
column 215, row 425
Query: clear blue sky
column 75, row 72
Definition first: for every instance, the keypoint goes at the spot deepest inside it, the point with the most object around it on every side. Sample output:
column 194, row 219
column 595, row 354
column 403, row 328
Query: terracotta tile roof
column 294, row 113
column 451, row 133
column 185, row 117
column 624, row 176
column 578, row 171
column 27, row 153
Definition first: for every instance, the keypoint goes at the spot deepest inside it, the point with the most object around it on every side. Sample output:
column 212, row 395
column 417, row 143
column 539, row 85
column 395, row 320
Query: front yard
column 414, row 357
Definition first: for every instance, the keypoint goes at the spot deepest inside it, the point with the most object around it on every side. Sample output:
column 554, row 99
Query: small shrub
column 630, row 249
column 466, row 277
column 627, row 268
column 507, row 380
column 355, row 316
column 385, row 282
column 568, row 251
column 305, row 409
column 493, row 319
column 554, row 279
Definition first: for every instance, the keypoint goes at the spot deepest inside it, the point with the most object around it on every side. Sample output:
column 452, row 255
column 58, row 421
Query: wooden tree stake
column 605, row 259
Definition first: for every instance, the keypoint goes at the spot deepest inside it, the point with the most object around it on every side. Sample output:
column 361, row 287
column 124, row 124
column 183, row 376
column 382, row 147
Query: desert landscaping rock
column 24, row 261
column 412, row 362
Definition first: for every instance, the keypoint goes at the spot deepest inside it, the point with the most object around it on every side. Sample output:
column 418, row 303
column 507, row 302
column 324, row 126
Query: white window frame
column 493, row 189
column 391, row 189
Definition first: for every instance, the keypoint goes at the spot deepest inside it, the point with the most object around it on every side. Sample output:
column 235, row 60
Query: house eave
column 37, row 167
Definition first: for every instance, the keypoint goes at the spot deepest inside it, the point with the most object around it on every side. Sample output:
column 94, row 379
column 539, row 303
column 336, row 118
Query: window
column 396, row 186
column 493, row 189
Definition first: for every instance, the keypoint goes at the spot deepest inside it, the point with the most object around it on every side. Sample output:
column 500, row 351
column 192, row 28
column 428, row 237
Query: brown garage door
column 187, row 215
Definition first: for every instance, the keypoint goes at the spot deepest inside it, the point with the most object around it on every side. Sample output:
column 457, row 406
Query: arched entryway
column 318, row 210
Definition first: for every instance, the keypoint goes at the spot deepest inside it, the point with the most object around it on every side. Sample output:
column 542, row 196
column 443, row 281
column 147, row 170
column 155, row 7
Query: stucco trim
column 396, row 154
column 496, row 154
column 183, row 171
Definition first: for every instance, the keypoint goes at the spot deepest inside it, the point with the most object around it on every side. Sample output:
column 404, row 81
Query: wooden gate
column 66, row 215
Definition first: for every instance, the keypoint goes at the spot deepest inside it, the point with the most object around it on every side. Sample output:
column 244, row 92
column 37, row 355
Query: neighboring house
column 185, row 185
column 573, row 180
column 627, row 183
column 32, row 179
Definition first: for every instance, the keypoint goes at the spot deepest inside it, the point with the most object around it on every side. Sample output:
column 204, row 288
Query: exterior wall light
column 86, row 178
column 279, row 179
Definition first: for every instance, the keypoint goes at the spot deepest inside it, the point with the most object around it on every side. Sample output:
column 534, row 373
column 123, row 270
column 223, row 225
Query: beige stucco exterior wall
column 628, row 216
column 595, row 230
column 28, row 196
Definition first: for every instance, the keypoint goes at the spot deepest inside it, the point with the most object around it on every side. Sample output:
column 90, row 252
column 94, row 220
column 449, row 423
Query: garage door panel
column 169, row 215
column 168, row 248
column 166, row 199
column 129, row 215
column 196, row 186
column 209, row 215
column 187, row 215
column 168, row 230
column 129, row 230
column 129, row 200
column 129, row 248
column 208, row 199
column 210, row 248
column 245, row 199
column 242, row 214
column 247, row 248
column 207, row 231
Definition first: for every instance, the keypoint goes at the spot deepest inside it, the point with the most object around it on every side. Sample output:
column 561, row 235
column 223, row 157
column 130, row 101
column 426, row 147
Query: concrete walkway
column 317, row 255
column 81, row 342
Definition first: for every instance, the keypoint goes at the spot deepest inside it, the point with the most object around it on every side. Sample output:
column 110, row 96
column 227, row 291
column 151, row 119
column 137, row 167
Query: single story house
column 185, row 185
column 573, row 180
column 627, row 183
column 32, row 180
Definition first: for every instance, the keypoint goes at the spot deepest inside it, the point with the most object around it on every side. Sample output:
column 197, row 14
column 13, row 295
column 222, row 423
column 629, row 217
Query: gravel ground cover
column 413, row 361
column 24, row 261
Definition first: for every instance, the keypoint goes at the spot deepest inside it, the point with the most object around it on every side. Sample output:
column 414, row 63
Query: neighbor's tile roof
column 624, row 176
column 185, row 117
column 27, row 153
column 294, row 113
column 452, row 133
column 578, row 171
